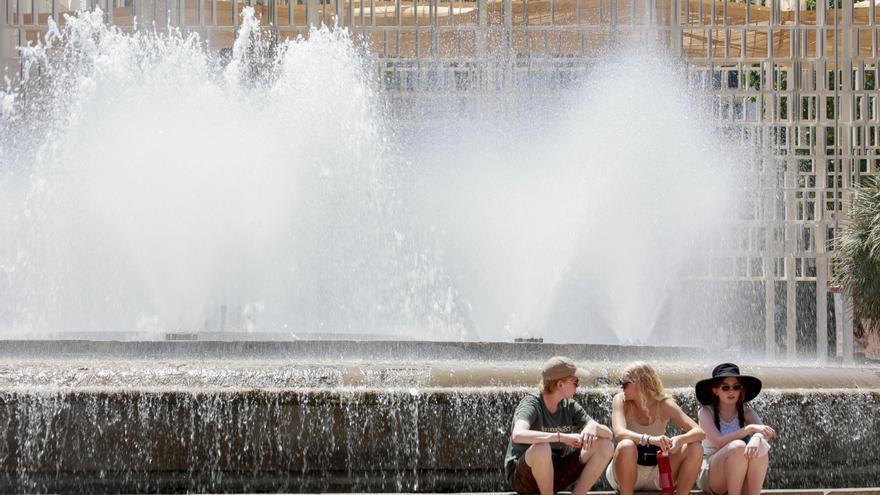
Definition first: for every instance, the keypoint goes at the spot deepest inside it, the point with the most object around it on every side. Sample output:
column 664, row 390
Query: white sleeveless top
column 725, row 428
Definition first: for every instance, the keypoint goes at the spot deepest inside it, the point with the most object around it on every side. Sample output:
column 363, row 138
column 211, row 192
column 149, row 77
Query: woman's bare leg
column 625, row 466
column 686, row 467
column 735, row 467
column 755, row 474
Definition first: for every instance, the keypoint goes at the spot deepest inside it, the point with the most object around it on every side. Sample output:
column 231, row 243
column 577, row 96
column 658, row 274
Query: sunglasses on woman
column 624, row 383
column 727, row 388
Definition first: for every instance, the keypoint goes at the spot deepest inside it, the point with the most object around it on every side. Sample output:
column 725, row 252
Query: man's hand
column 571, row 439
column 588, row 436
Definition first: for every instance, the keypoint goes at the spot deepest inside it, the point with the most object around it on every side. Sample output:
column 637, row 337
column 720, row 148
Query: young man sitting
column 555, row 443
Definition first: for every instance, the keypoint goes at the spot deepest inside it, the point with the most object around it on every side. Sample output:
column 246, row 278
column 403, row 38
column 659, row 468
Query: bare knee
column 737, row 447
column 694, row 450
column 604, row 448
column 539, row 453
column 736, row 452
column 626, row 449
column 601, row 449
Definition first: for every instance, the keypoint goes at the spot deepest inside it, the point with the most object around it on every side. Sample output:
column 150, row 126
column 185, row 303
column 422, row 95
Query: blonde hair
column 644, row 374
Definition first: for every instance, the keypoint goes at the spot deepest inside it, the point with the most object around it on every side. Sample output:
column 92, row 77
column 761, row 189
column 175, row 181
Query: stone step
column 817, row 491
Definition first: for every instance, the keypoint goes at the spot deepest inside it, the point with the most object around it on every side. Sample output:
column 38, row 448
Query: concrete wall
column 356, row 439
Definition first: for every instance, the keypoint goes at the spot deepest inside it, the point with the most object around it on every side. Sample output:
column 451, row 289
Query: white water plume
column 161, row 183
column 163, row 186
column 574, row 222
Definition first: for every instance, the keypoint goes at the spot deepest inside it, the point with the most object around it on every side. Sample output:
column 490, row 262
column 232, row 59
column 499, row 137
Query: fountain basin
column 180, row 420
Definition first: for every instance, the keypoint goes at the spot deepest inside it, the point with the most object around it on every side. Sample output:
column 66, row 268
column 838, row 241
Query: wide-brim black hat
column 724, row 370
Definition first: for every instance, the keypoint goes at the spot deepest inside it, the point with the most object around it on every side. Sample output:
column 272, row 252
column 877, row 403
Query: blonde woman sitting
column 639, row 417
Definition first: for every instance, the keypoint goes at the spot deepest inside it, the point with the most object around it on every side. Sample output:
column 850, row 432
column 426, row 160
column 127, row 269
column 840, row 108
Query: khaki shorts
column 647, row 478
column 703, row 477
column 566, row 471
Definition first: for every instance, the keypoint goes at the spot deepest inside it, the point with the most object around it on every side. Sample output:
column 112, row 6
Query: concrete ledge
column 344, row 350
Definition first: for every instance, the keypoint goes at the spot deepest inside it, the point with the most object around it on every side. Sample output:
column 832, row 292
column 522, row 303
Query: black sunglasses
column 576, row 381
column 624, row 383
column 727, row 388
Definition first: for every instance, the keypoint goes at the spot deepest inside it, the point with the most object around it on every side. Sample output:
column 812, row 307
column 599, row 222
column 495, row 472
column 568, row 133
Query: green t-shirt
column 570, row 417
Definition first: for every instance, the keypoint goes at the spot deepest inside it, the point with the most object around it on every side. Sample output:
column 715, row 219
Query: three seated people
column 555, row 445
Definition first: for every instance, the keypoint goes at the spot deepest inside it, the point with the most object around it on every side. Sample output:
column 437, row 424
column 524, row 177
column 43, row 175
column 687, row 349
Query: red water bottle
column 666, row 483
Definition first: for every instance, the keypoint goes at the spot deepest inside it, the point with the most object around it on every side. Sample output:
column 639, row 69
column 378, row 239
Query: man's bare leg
column 539, row 457
column 595, row 460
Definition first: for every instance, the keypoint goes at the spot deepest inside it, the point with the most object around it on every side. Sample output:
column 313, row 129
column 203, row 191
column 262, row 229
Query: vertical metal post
column 790, row 183
column 847, row 329
column 677, row 33
column 839, row 318
column 5, row 34
column 769, row 309
column 312, row 10
column 790, row 307
column 507, row 39
column 482, row 26
column 821, row 296
column 770, row 254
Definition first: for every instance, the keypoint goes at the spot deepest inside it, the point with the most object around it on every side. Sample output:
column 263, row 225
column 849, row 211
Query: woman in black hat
column 735, row 446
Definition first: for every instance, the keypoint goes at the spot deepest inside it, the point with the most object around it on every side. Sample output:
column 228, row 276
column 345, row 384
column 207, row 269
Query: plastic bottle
column 667, row 485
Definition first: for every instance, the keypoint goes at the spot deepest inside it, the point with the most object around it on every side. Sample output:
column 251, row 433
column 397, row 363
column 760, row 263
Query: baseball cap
column 560, row 367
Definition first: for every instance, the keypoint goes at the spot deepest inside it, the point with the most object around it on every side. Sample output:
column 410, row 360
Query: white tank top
column 726, row 429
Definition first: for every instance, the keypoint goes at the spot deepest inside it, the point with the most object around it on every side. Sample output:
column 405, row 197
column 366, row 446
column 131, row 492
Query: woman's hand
column 766, row 431
column 662, row 441
column 676, row 446
column 753, row 448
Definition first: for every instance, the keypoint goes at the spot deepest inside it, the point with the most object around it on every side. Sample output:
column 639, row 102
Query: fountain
column 152, row 191
column 129, row 207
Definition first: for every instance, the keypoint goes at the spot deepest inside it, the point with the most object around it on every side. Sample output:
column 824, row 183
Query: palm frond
column 859, row 252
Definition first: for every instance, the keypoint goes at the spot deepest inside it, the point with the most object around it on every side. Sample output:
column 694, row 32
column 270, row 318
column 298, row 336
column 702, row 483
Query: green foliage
column 754, row 79
column 859, row 262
